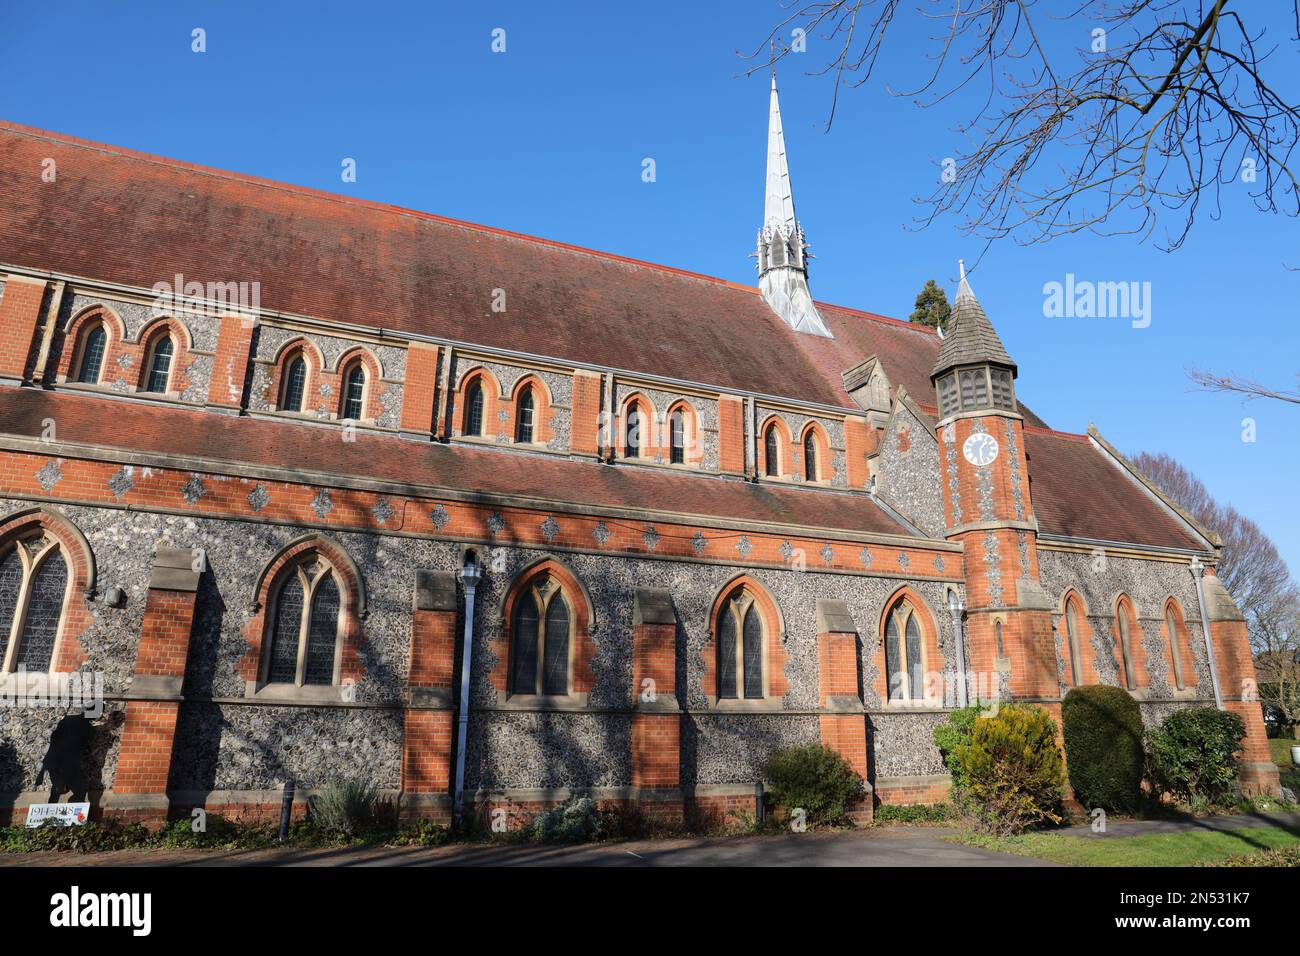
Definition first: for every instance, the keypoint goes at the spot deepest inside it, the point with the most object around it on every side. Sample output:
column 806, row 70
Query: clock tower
column 1010, row 648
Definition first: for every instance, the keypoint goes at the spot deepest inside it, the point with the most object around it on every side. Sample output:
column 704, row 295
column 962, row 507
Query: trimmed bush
column 1103, row 747
column 1191, row 755
column 344, row 808
column 1012, row 769
column 951, row 734
column 576, row 821
column 813, row 778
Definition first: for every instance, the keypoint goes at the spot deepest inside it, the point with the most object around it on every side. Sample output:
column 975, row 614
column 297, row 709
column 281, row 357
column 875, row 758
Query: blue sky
column 548, row 138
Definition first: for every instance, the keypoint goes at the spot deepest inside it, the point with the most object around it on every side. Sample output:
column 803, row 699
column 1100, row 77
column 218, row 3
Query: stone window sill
column 292, row 693
column 570, row 702
column 745, row 705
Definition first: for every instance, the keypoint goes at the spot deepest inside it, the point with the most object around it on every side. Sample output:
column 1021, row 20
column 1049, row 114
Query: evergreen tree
column 932, row 307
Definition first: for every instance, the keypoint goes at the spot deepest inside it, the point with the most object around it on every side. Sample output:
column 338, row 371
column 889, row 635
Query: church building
column 297, row 487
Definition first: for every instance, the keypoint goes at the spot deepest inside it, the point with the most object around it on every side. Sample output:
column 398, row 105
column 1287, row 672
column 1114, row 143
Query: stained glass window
column 1125, row 649
column 11, row 585
column 915, row 670
column 524, row 417
column 677, row 432
column 160, row 368
column 893, row 665
column 44, row 608
column 632, row 441
column 354, row 390
column 810, row 457
column 752, row 634
column 527, row 632
column 282, row 659
column 1171, row 625
column 555, row 675
column 726, row 653
column 771, row 454
column 322, row 633
column 92, row 355
column 474, row 409
column 1072, row 637
column 295, row 384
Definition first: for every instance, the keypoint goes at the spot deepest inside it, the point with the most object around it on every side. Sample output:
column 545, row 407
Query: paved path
column 892, row 846
column 1236, row 821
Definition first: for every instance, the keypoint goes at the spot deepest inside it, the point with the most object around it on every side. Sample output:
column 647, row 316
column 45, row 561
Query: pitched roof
column 972, row 339
column 552, row 481
column 135, row 219
column 1079, row 492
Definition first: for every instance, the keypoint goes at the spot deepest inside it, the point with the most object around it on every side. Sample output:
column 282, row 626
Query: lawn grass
column 1280, row 749
column 1192, row 848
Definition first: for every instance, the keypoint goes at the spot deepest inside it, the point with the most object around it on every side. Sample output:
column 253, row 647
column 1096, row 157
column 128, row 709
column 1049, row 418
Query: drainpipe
column 955, row 607
column 1198, row 572
column 469, row 576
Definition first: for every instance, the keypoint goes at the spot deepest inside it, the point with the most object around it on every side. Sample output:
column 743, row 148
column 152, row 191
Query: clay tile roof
column 134, row 219
column 553, row 482
column 973, row 340
column 1079, row 491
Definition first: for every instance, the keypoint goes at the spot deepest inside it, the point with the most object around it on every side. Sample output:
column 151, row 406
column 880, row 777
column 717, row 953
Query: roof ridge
column 262, row 181
column 1055, row 433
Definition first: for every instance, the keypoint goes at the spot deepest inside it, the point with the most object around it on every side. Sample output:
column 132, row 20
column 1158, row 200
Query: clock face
column 980, row 449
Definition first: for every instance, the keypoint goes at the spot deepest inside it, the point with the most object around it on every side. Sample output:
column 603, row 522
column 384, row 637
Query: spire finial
column 961, row 267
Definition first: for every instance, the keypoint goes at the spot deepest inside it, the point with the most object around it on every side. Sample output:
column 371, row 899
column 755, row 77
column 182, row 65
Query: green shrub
column 813, row 778
column 1011, row 769
column 1191, row 754
column 344, row 808
column 1103, row 747
column 574, row 822
column 914, row 813
column 951, row 734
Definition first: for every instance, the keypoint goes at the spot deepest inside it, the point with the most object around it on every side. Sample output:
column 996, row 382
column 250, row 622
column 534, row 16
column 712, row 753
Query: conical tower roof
column 971, row 338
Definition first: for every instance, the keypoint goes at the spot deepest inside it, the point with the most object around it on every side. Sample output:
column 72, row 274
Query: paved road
column 901, row 846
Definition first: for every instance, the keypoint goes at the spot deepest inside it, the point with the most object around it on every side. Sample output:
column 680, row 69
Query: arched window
column 1073, row 639
column 1123, row 613
column 295, row 384
column 354, row 392
column 632, row 436
column 306, row 625
column 524, row 410
column 740, row 634
column 771, row 452
column 474, row 408
column 33, row 589
column 93, row 347
column 542, row 633
column 160, row 366
column 905, row 653
column 1172, row 630
column 810, row 456
column 997, row 637
column 677, row 438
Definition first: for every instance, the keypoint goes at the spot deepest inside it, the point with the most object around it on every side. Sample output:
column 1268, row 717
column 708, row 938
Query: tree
column 1254, row 573
column 1212, row 382
column 932, row 307
column 1103, row 118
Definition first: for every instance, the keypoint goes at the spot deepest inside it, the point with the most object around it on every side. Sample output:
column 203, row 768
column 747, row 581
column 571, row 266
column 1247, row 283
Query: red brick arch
column 776, row 683
column 542, row 404
column 305, row 347
column 182, row 344
column 782, row 447
column 582, row 678
column 371, row 406
column 74, row 334
column 1182, row 639
column 492, row 398
column 822, row 442
column 352, row 592
column 69, row 654
column 694, row 439
column 934, row 659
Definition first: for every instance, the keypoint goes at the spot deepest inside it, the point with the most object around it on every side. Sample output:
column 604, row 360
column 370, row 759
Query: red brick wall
column 433, row 649
column 165, row 633
column 837, row 665
column 654, row 657
column 420, row 388
column 584, row 430
column 656, row 750
column 20, row 308
column 426, row 751
column 731, row 435
column 145, row 756
column 230, row 365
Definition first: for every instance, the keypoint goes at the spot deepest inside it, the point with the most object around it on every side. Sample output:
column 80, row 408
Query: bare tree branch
column 1212, row 382
column 1161, row 112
